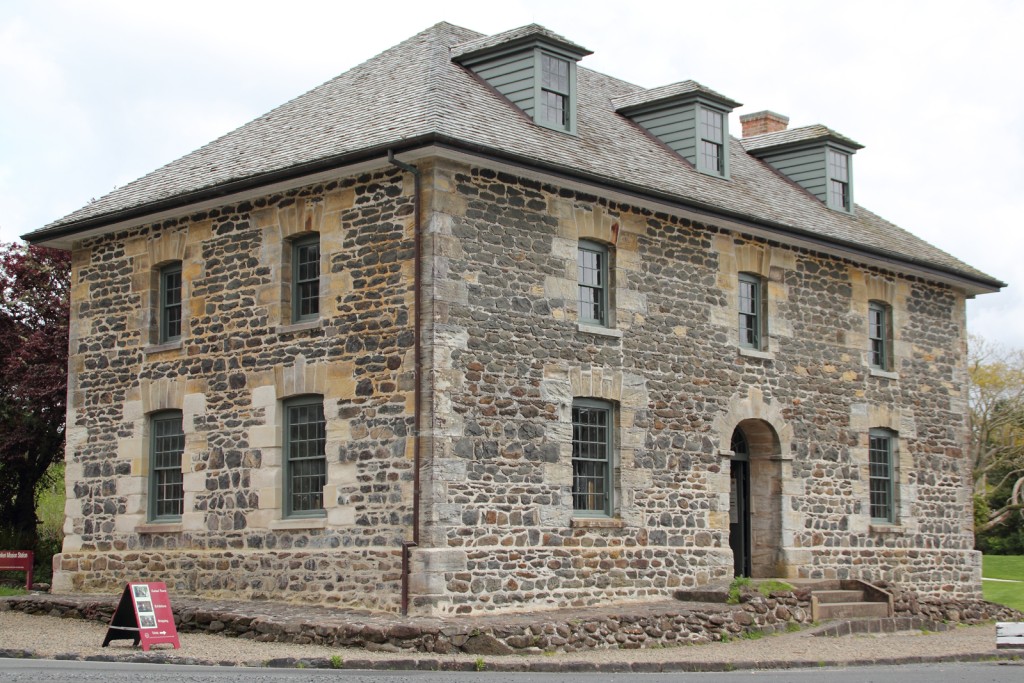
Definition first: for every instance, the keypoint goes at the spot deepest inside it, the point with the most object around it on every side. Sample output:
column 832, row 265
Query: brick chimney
column 761, row 122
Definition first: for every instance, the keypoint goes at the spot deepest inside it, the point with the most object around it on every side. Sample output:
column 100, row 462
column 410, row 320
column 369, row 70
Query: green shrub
column 736, row 588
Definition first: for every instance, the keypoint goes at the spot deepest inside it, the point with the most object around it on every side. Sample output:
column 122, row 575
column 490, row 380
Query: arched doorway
column 755, row 500
column 739, row 504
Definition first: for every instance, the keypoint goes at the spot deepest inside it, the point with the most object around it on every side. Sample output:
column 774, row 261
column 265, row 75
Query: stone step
column 852, row 610
column 830, row 596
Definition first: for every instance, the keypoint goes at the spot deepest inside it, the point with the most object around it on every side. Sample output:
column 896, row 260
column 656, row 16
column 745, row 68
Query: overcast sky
column 95, row 94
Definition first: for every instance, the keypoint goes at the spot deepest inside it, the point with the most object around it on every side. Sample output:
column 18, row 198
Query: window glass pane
column 750, row 312
column 307, row 462
column 591, row 453
column 592, row 273
column 711, row 126
column 554, row 74
column 168, row 444
column 170, row 303
column 711, row 156
column 880, row 474
column 554, row 96
column 838, row 194
column 306, row 267
column 878, row 335
column 838, row 166
column 553, row 108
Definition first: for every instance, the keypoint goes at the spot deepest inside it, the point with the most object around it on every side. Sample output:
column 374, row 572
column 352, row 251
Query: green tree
column 34, row 288
column 996, row 419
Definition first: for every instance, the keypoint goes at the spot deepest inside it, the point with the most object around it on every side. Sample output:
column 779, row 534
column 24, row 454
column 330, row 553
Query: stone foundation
column 370, row 579
column 624, row 626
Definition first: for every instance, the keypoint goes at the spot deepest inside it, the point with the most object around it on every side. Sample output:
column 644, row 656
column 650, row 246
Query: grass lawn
column 1004, row 567
column 8, row 590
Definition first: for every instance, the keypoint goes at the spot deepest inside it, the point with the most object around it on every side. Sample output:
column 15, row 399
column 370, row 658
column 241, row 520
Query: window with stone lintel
column 592, row 445
column 305, row 441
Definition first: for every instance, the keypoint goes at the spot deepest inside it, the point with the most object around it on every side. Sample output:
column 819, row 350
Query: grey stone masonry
column 240, row 355
column 504, row 356
column 625, row 627
column 510, row 355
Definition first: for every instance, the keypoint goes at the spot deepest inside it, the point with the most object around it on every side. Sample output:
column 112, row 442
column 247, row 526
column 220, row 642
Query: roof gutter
column 984, row 284
column 713, row 212
column 182, row 201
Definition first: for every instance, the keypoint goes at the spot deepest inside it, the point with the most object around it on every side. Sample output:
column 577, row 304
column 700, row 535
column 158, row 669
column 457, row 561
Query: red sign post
column 18, row 561
column 144, row 615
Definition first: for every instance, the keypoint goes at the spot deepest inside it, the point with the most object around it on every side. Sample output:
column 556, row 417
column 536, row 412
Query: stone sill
column 160, row 528
column 175, row 345
column 597, row 523
column 599, row 331
column 875, row 372
column 754, row 353
column 883, row 528
column 299, row 523
column 298, row 327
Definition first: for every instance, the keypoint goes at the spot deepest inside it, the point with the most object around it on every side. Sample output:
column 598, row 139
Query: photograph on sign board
column 147, row 621
column 144, row 606
column 141, row 591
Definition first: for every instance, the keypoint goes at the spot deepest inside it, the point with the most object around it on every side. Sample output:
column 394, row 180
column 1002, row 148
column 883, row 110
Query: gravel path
column 52, row 637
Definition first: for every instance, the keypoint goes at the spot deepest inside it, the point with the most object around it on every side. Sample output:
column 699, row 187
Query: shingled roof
column 414, row 94
column 796, row 136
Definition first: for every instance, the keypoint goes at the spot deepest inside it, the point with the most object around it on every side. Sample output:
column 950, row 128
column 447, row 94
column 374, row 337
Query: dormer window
column 816, row 158
column 712, row 142
column 688, row 118
column 554, row 91
column 532, row 68
column 838, row 180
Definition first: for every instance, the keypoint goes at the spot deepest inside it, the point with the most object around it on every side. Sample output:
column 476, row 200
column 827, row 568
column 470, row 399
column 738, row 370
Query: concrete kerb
column 523, row 665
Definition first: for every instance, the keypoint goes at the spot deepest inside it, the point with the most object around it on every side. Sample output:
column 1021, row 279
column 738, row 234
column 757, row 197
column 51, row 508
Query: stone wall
column 239, row 357
column 511, row 355
column 505, row 356
column 631, row 626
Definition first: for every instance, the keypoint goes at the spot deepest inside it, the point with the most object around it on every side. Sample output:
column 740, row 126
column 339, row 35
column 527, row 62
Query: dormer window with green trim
column 532, row 68
column 686, row 117
column 838, row 180
column 554, row 91
column 712, row 142
column 816, row 158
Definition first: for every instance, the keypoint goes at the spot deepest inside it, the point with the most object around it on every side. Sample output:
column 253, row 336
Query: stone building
column 471, row 327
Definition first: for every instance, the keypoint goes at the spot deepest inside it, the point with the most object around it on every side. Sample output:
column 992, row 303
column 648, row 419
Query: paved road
column 44, row 671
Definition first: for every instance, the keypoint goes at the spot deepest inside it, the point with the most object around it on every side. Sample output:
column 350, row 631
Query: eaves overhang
column 63, row 236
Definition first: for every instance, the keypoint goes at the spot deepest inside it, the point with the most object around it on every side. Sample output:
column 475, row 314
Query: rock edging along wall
column 629, row 626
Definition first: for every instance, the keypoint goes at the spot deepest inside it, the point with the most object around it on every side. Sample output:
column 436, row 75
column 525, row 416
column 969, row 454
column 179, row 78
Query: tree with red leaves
column 34, row 287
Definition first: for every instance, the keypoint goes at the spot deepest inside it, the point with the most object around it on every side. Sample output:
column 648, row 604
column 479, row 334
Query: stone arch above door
column 770, row 486
column 752, row 409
